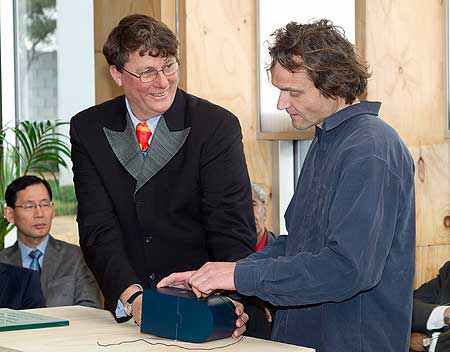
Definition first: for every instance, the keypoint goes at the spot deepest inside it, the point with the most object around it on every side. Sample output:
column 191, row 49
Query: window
column 48, row 73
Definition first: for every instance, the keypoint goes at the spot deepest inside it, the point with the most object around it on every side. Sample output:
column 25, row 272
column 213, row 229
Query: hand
column 180, row 280
column 213, row 276
column 137, row 310
column 136, row 307
column 268, row 314
column 416, row 342
column 241, row 320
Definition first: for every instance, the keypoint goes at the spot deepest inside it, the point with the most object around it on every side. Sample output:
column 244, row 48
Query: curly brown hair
column 139, row 32
column 329, row 59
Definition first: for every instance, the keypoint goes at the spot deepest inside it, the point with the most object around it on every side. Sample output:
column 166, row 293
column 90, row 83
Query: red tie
column 143, row 134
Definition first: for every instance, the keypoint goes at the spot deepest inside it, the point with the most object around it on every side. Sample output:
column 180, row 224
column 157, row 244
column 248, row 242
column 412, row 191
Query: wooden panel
column 221, row 67
column 105, row 88
column 431, row 259
column 407, row 62
column 408, row 66
column 432, row 193
column 107, row 15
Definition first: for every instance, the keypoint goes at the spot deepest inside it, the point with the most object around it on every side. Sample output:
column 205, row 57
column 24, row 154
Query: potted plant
column 39, row 150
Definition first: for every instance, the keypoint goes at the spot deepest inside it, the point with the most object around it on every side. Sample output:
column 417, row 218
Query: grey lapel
column 164, row 145
column 50, row 262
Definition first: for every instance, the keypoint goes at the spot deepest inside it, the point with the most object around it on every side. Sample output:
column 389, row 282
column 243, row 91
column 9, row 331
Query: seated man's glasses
column 151, row 74
column 44, row 205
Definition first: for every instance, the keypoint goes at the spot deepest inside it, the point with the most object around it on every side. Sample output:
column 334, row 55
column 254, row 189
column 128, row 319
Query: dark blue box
column 179, row 315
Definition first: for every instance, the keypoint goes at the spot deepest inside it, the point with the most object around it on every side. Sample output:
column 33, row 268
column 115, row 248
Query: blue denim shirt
column 342, row 278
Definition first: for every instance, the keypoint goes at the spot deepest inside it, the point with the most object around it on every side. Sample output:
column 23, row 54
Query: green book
column 11, row 319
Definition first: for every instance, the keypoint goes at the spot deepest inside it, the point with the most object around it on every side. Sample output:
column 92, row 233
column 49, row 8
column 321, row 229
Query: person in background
column 20, row 288
column 431, row 314
column 342, row 278
column 65, row 278
column 259, row 201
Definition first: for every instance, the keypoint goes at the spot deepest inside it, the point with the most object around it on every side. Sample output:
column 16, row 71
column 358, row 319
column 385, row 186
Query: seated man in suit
column 65, row 277
column 20, row 288
column 431, row 314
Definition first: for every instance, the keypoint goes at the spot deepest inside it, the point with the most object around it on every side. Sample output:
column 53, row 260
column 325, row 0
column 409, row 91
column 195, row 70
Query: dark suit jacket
column 430, row 295
column 65, row 278
column 20, row 288
column 188, row 202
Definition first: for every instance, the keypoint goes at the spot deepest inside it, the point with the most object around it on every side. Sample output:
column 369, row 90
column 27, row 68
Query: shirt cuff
column 120, row 309
column 436, row 319
column 434, row 341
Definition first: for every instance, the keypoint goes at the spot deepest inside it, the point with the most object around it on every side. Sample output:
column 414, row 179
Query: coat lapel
column 50, row 262
column 163, row 147
column 126, row 149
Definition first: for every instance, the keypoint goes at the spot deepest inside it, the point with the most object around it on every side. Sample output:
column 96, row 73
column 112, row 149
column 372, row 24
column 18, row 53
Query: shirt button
column 148, row 239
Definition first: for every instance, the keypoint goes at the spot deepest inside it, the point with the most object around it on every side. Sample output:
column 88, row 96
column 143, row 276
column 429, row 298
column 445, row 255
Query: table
column 89, row 327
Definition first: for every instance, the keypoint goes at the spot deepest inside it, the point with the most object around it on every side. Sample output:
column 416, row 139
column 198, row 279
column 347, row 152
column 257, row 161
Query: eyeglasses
column 44, row 205
column 151, row 74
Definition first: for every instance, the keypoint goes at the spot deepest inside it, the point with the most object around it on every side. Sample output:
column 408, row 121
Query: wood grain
column 221, row 67
column 107, row 15
column 431, row 258
column 405, row 47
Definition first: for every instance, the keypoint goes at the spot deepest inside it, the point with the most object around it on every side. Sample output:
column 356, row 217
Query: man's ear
column 116, row 75
column 8, row 214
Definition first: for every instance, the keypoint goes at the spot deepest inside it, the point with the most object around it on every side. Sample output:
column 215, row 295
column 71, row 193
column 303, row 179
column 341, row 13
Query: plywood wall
column 405, row 48
column 221, row 67
column 107, row 15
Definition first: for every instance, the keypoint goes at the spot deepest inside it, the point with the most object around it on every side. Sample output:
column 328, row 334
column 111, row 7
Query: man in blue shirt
column 342, row 278
column 64, row 275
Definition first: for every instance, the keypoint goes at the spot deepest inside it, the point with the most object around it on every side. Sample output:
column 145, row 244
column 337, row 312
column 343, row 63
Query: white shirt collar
column 152, row 122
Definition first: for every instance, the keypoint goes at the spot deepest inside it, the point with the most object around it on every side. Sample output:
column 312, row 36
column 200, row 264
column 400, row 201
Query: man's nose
column 161, row 80
column 283, row 101
column 38, row 211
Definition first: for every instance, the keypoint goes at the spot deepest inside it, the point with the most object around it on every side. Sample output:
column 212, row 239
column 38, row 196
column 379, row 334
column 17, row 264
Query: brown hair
column 139, row 32
column 329, row 59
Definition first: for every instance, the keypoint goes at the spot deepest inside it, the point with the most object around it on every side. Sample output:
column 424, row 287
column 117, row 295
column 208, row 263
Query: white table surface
column 90, row 327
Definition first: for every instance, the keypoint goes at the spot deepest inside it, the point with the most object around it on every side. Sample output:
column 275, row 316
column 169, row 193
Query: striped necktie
column 143, row 135
column 35, row 255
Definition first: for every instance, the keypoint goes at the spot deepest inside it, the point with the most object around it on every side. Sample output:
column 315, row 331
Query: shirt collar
column 362, row 108
column 25, row 250
column 152, row 121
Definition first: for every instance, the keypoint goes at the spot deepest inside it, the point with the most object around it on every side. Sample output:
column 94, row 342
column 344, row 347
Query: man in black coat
column 21, row 288
column 431, row 313
column 160, row 175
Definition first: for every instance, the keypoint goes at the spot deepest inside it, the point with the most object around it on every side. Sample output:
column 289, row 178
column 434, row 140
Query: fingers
column 268, row 314
column 241, row 325
column 197, row 292
column 239, row 307
column 180, row 280
column 137, row 310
